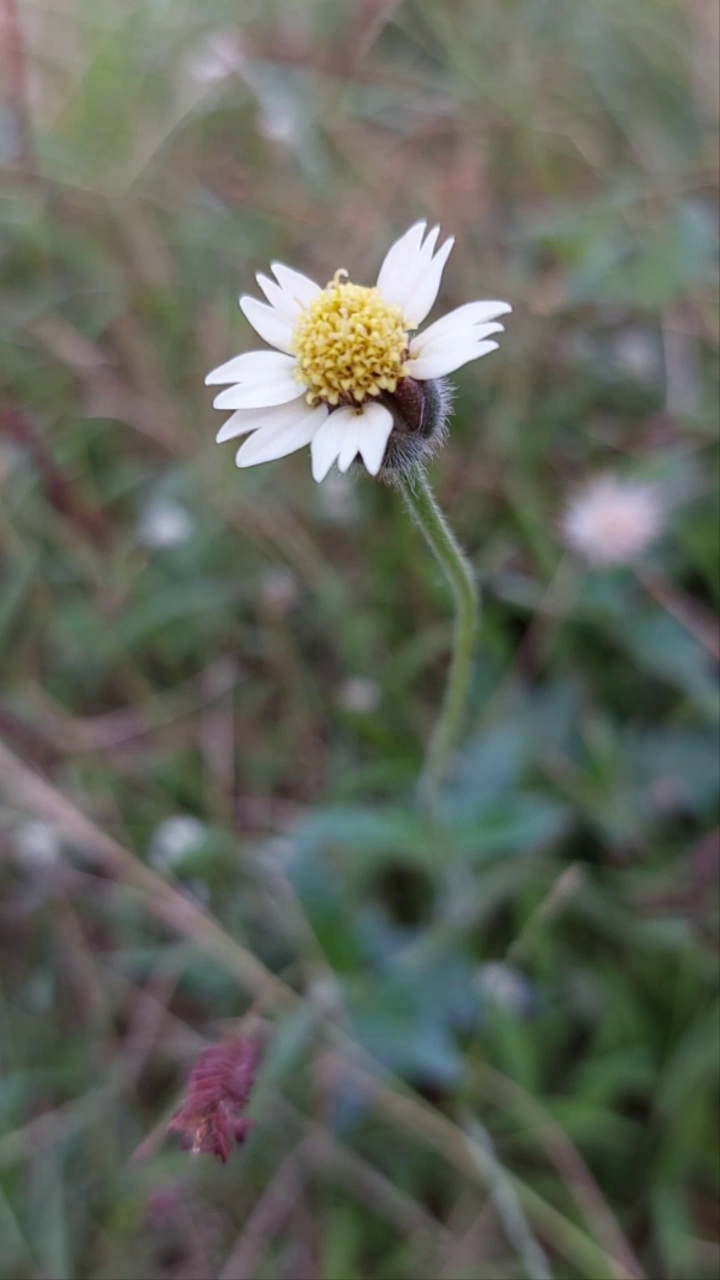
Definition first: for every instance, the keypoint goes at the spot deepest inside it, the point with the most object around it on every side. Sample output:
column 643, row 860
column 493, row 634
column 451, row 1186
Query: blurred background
column 490, row 1041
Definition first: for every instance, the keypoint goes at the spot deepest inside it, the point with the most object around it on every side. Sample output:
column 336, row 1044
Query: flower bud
column 420, row 416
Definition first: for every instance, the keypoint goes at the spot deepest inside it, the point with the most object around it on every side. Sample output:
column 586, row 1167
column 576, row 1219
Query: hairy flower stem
column 423, row 508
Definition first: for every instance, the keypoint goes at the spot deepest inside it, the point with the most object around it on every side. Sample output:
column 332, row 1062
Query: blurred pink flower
column 612, row 520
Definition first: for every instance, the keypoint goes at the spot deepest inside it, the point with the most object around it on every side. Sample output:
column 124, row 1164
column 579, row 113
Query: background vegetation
column 491, row 1042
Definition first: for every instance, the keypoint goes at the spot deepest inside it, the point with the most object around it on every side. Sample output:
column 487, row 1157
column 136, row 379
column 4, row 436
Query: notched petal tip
column 273, row 326
column 420, row 225
column 425, row 286
column 430, row 240
column 295, row 285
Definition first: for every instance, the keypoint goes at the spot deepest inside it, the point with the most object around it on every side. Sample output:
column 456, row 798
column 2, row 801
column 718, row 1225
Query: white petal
column 272, row 325
column 260, row 395
column 325, row 447
column 406, row 288
column 436, row 366
column 244, row 420
column 295, row 285
column 377, row 423
column 424, row 257
column 349, row 432
column 449, row 338
column 281, row 301
column 471, row 314
column 426, row 288
column 271, row 442
column 250, row 367
column 400, row 263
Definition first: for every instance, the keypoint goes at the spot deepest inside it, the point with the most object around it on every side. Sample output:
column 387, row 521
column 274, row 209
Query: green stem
column 423, row 508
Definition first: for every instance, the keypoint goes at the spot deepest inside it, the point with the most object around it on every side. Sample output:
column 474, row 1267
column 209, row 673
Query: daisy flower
column 613, row 520
column 348, row 365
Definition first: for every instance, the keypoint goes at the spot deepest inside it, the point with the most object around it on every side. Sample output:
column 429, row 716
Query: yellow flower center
column 349, row 344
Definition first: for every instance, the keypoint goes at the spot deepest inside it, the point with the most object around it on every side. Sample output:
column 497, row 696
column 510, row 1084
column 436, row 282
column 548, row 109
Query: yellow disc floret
column 349, row 344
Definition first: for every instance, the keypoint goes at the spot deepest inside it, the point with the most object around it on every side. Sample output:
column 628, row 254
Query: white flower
column 340, row 351
column 278, row 120
column 337, row 499
column 218, row 56
column 279, row 591
column 501, row 984
column 359, row 695
column 174, row 839
column 165, row 524
column 11, row 459
column 37, row 845
column 613, row 520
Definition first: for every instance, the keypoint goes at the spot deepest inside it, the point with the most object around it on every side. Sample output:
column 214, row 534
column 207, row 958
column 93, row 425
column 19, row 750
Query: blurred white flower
column 10, row 459
column 325, row 994
column 613, row 521
column 341, row 351
column 338, row 499
column 279, row 591
column 219, row 55
column 175, row 838
column 502, row 985
column 278, row 120
column 359, row 695
column 637, row 353
column 165, row 524
column 37, row 845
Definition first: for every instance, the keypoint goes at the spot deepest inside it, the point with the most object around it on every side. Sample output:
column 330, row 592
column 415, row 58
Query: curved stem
column 423, row 508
